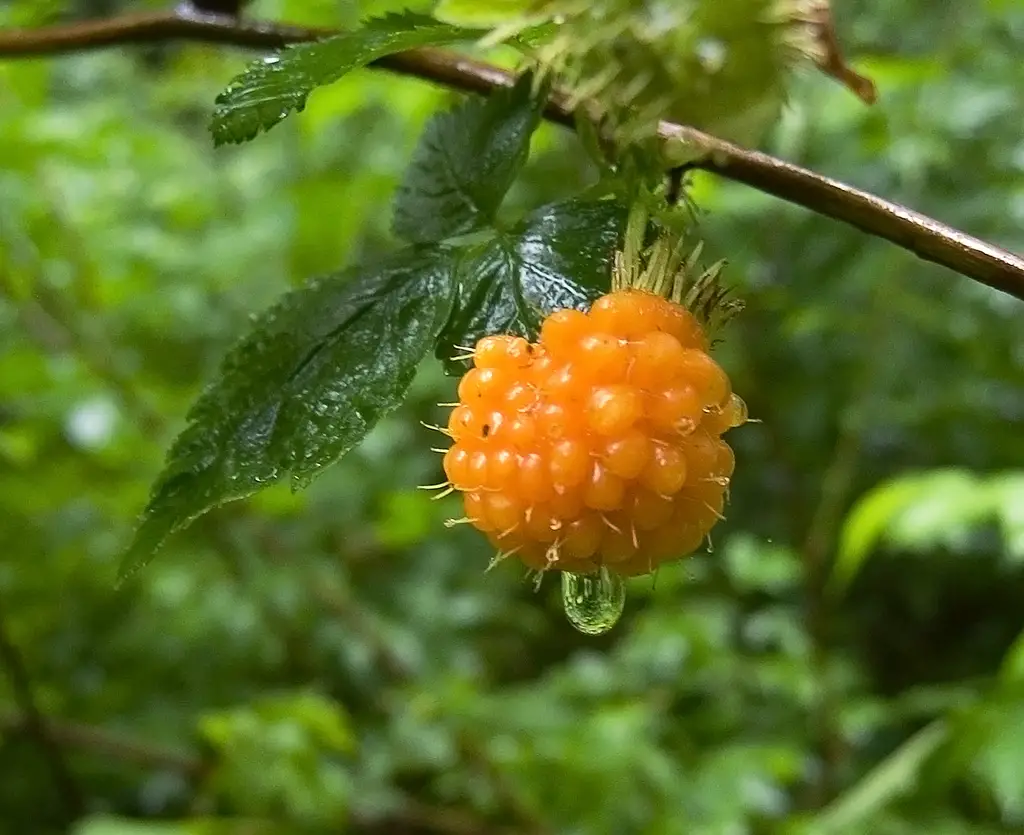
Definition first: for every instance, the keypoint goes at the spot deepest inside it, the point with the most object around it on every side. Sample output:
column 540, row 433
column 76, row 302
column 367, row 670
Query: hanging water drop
column 593, row 602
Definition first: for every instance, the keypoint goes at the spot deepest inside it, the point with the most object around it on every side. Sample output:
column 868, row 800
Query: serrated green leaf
column 465, row 163
column 314, row 375
column 559, row 256
column 273, row 87
column 891, row 778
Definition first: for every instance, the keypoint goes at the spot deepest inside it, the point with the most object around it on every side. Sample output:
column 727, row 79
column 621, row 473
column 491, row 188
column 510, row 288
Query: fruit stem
column 666, row 270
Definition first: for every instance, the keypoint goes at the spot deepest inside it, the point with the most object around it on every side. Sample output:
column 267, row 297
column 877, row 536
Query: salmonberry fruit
column 600, row 444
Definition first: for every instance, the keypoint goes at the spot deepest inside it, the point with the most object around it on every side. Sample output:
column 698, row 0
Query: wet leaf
column 465, row 162
column 560, row 256
column 273, row 87
column 313, row 376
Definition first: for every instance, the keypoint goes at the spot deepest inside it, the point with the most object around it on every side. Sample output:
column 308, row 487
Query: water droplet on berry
column 593, row 602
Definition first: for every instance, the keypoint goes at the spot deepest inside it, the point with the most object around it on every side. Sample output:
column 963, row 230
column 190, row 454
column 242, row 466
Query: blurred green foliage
column 848, row 659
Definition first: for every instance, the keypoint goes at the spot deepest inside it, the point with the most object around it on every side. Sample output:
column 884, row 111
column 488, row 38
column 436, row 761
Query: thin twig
column 821, row 536
column 35, row 725
column 925, row 237
column 107, row 743
column 820, row 542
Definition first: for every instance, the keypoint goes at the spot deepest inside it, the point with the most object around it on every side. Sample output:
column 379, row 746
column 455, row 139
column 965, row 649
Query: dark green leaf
column 465, row 162
column 559, row 256
column 315, row 374
column 273, row 87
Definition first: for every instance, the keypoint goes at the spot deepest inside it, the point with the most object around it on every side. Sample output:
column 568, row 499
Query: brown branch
column 927, row 238
column 109, row 744
column 35, row 725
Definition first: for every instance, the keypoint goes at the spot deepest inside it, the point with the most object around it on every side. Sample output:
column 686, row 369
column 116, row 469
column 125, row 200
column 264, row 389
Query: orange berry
column 706, row 376
column 456, row 467
column 502, row 511
column 518, row 396
column 720, row 419
column 542, row 363
column 725, row 461
column 554, row 421
column 520, row 432
column 582, row 537
column 627, row 455
column 600, row 444
column 701, row 450
column 658, row 358
column 570, row 462
column 604, row 358
column 566, row 502
column 676, row 409
column 534, row 483
column 476, row 510
column 532, row 554
column 492, row 352
column 665, row 473
column 511, row 352
column 611, row 410
column 502, row 465
column 618, row 546
column 483, row 384
column 650, row 510
column 679, row 538
column 476, row 470
column 563, row 330
column 564, row 384
column 628, row 313
column 603, row 490
column 683, row 325
column 463, row 423
column 543, row 524
column 700, row 504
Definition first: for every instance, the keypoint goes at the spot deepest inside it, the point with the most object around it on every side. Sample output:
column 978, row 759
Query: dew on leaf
column 593, row 602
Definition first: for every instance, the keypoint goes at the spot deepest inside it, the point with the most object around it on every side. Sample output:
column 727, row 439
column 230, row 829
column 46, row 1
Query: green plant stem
column 68, row 791
column 818, row 545
column 925, row 237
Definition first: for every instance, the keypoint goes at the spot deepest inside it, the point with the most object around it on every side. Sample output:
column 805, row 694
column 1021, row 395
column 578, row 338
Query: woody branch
column 926, row 237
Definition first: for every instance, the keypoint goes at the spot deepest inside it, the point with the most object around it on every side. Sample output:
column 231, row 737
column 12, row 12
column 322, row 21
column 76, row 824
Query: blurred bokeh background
column 336, row 660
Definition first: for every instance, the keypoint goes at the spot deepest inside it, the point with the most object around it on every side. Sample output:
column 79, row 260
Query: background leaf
column 559, row 256
column 482, row 12
column 272, row 88
column 891, row 778
column 465, row 162
column 938, row 509
column 317, row 371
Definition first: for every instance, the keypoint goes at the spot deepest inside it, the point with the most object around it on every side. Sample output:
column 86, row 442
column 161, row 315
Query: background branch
column 927, row 238
column 24, row 696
